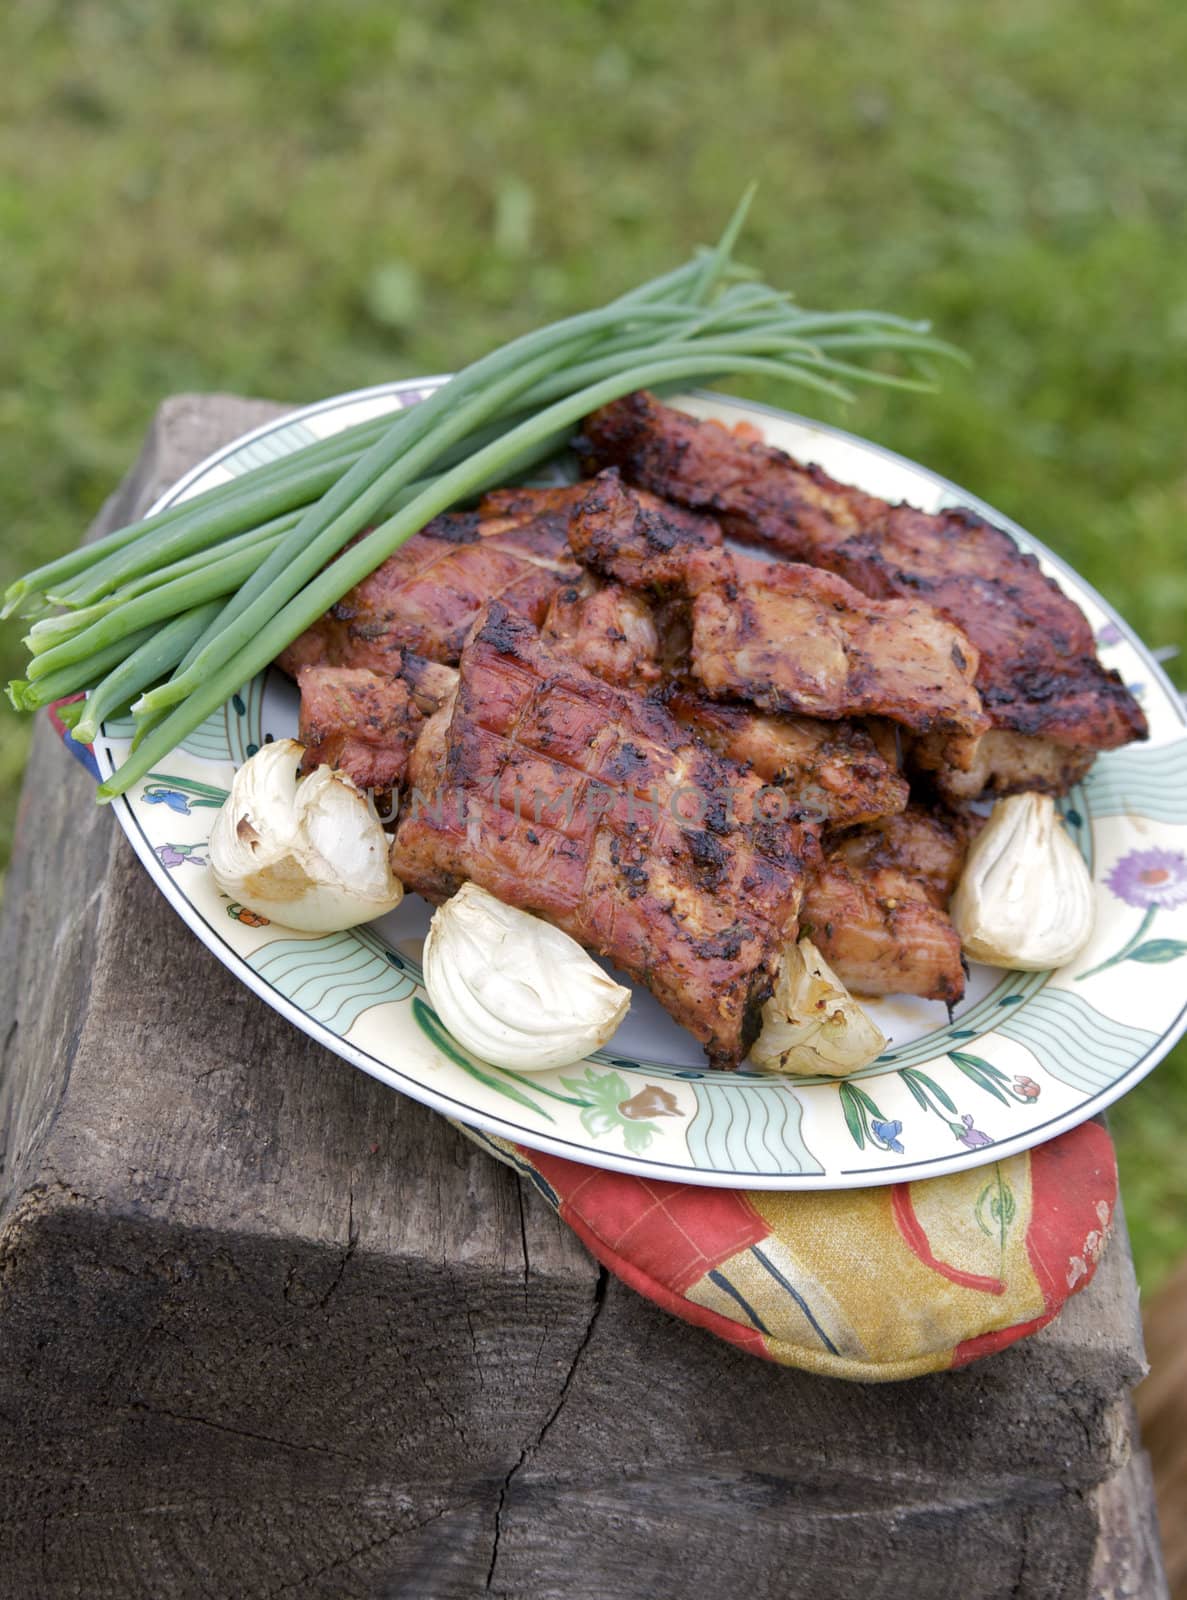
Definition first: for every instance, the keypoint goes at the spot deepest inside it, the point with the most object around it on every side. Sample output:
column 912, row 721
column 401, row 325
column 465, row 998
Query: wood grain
column 1162, row 1408
column 268, row 1328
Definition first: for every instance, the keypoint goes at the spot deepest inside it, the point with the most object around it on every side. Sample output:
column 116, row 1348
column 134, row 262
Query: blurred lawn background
column 291, row 200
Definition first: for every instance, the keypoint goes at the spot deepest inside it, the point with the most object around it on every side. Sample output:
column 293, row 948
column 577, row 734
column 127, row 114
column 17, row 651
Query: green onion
column 51, row 630
column 32, row 696
column 71, row 713
column 219, row 577
column 201, row 530
column 157, row 655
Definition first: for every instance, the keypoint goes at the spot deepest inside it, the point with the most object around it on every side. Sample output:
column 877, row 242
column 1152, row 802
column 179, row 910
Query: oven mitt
column 868, row 1284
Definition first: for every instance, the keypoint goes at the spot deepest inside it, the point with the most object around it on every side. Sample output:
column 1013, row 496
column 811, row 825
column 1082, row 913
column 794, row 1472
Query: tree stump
column 268, row 1328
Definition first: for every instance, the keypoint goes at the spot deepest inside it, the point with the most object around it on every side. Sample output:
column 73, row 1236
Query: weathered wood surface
column 269, row 1328
column 1129, row 1562
column 1162, row 1408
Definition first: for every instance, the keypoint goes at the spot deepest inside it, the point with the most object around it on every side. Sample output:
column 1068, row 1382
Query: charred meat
column 635, row 538
column 609, row 630
column 552, row 500
column 358, row 721
column 425, row 597
column 789, row 638
column 1000, row 763
column 587, row 804
column 877, row 908
column 1038, row 673
column 833, row 769
column 793, row 639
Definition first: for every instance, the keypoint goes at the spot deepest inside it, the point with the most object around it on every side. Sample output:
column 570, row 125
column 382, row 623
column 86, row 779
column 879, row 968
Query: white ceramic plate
column 1026, row 1055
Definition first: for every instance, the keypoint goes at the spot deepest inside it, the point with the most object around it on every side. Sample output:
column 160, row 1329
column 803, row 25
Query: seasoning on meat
column 832, row 768
column 587, row 804
column 359, row 721
column 789, row 638
column 425, row 597
column 877, row 907
column 1038, row 673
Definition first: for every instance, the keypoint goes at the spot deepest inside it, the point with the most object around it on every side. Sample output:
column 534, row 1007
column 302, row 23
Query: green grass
column 291, row 200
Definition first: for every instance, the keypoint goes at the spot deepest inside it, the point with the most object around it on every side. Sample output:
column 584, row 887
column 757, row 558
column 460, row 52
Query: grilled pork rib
column 830, row 769
column 789, row 638
column 635, row 538
column 518, row 501
column 425, row 597
column 1038, row 673
column 609, row 630
column 357, row 721
column 587, row 804
column 876, row 908
column 833, row 769
column 1000, row 763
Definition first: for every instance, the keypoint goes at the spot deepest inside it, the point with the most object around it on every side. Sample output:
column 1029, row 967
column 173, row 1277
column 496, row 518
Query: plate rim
column 587, row 1153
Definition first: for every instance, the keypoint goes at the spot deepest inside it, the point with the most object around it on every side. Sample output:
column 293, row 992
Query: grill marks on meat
column 1038, row 673
column 635, row 538
column 794, row 639
column 358, row 721
column 789, row 638
column 876, row 909
column 425, row 597
column 833, row 769
column 927, row 846
column 585, row 804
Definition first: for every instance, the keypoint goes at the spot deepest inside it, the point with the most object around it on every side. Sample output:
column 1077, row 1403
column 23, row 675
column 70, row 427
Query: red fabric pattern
column 673, row 1232
column 988, row 1344
column 643, row 1283
column 1069, row 1175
